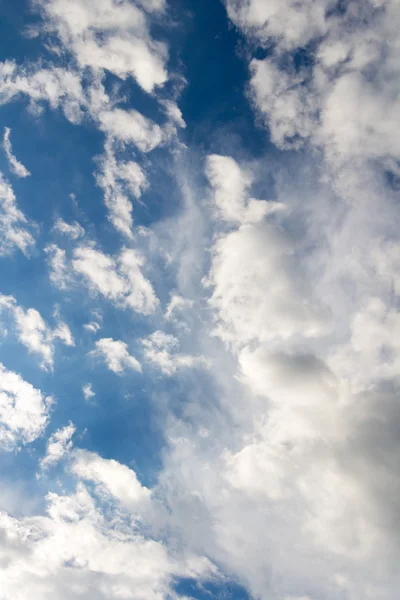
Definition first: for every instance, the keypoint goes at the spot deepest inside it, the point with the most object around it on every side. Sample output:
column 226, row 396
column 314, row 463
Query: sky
column 200, row 281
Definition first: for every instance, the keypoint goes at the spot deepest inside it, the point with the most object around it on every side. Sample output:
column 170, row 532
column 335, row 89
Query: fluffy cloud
column 293, row 24
column 89, row 539
column 259, row 292
column 16, row 167
column 132, row 126
column 124, row 47
column 110, row 476
column 120, row 279
column 160, row 348
column 72, row 230
column 14, row 226
column 116, row 356
column 23, row 410
column 34, row 333
column 57, row 446
column 342, row 98
column 76, row 551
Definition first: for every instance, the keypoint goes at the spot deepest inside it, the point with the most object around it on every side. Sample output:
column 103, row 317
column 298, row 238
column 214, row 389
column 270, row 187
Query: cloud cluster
column 110, row 35
column 94, row 540
column 23, row 410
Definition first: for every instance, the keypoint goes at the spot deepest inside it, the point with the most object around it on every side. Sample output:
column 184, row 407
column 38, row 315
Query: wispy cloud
column 16, row 167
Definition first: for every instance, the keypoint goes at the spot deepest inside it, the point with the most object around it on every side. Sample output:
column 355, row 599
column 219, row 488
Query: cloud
column 258, row 290
column 293, row 24
column 14, row 226
column 81, row 549
column 23, row 410
column 119, row 280
column 131, row 126
column 58, row 446
column 92, row 327
column 88, row 392
column 116, row 356
column 124, row 48
column 15, row 166
column 60, row 88
column 111, row 477
column 60, row 274
column 34, row 333
column 119, row 180
column 160, row 349
column 73, row 230
column 176, row 306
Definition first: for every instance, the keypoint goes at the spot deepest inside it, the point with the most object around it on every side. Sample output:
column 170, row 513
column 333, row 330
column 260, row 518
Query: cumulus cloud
column 34, row 333
column 293, row 24
column 111, row 477
column 80, row 549
column 258, row 290
column 116, row 355
column 14, row 226
column 119, row 280
column 16, row 167
column 124, row 48
column 23, row 410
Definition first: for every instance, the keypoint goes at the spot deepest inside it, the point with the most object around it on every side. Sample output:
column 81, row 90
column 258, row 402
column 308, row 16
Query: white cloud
column 23, row 410
column 176, row 306
column 60, row 274
column 120, row 281
column 160, row 348
column 92, row 327
column 73, row 230
column 61, row 88
column 293, row 24
column 124, row 48
column 58, row 445
column 116, row 356
column 34, row 333
column 14, row 226
column 15, row 166
column 119, row 180
column 259, row 292
column 132, row 127
column 111, row 477
column 230, row 185
column 88, row 392
column 81, row 550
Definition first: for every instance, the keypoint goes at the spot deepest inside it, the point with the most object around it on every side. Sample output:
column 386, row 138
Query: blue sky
column 199, row 355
